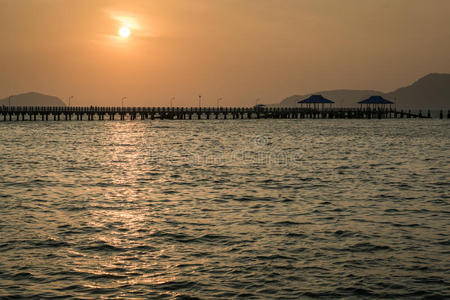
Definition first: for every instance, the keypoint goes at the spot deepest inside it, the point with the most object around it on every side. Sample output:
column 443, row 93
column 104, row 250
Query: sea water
column 225, row 208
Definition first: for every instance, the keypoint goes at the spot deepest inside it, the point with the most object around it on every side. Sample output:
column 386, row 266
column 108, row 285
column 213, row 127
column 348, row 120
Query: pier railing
column 33, row 113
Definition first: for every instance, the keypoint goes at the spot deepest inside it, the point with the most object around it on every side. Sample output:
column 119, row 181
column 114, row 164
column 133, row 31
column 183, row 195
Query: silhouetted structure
column 57, row 113
column 315, row 99
column 376, row 102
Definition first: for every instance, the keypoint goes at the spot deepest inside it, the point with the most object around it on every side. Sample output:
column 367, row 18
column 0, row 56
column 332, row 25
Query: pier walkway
column 37, row 113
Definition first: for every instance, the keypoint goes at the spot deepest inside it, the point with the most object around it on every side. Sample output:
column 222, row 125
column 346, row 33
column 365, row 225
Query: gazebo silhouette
column 376, row 102
column 315, row 99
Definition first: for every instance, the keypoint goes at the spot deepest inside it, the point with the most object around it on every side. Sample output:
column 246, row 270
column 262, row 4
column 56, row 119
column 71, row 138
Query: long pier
column 67, row 113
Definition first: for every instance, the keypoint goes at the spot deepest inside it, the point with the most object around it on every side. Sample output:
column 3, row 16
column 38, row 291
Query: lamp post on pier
column 199, row 100
column 70, row 98
column 124, row 98
column 219, row 100
column 171, row 101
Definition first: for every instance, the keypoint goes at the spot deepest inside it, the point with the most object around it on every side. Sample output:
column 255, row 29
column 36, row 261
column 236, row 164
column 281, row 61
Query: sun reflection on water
column 123, row 219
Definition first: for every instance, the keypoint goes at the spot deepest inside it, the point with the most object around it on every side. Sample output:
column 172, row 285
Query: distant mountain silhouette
column 429, row 92
column 33, row 99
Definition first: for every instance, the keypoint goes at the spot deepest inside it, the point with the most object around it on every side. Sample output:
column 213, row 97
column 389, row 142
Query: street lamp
column 71, row 97
column 218, row 101
column 171, row 101
column 199, row 100
column 123, row 100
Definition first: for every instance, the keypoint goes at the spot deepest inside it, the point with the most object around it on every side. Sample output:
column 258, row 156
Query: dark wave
column 367, row 247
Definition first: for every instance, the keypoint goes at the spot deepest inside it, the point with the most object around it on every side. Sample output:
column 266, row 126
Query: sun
column 124, row 32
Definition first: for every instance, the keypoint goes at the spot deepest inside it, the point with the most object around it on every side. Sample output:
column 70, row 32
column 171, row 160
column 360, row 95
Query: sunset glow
column 124, row 32
column 197, row 149
column 152, row 51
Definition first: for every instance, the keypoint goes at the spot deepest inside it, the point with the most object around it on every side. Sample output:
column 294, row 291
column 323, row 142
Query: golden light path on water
column 130, row 216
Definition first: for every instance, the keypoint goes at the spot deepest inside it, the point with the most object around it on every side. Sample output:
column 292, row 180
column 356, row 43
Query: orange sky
column 239, row 50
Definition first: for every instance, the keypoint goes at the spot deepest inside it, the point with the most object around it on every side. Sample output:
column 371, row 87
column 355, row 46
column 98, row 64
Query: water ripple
column 194, row 210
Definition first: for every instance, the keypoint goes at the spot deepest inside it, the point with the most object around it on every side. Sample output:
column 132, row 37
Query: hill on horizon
column 429, row 92
column 32, row 99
